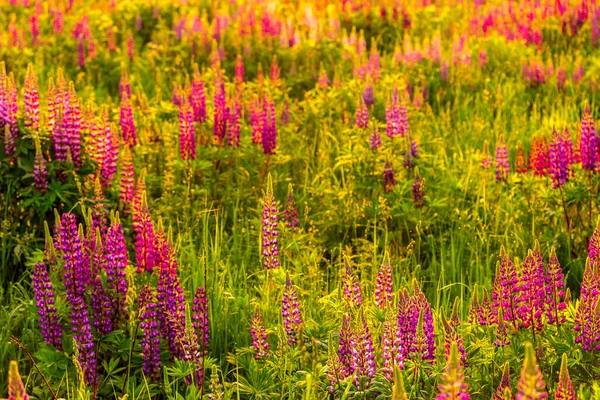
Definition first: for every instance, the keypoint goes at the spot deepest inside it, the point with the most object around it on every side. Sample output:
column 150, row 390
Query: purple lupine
column 364, row 354
column 4, row 95
column 346, row 347
column 564, row 389
column 352, row 292
column 559, row 160
column 390, row 345
column 10, row 118
column 102, row 307
column 422, row 304
column 70, row 135
column 145, row 246
column 197, row 97
column 81, row 52
column 531, row 385
column 408, row 317
column 259, row 336
column 368, row 95
column 290, row 213
column 31, row 99
column 76, row 275
column 40, row 172
column 270, row 231
column 127, row 122
column 588, row 142
column 269, row 130
column 418, row 190
column 108, row 169
column 504, row 386
column 388, row 177
column 530, row 296
column 555, row 290
column 233, row 125
column 200, row 318
column 454, row 386
column 505, row 286
column 150, row 335
column 393, row 117
column 220, row 117
column 256, row 122
column 44, row 297
column 115, row 263
column 502, row 167
column 375, row 138
column 362, row 115
column 290, row 312
column 385, row 285
column 187, row 139
column 82, row 335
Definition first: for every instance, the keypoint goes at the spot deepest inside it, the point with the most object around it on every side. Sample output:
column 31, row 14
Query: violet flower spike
column 259, row 336
column 290, row 312
column 150, row 343
column 44, row 296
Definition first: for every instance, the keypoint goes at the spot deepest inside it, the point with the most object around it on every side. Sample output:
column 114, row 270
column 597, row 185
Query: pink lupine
column 352, row 292
column 197, row 97
column 187, row 140
column 127, row 178
column 233, row 125
column 505, row 286
column 270, row 231
column 127, row 122
column 290, row 312
column 364, row 354
column 220, row 115
column 239, row 70
column 530, row 295
column 31, row 97
column 362, row 115
column 385, row 285
column 555, row 292
column 259, row 336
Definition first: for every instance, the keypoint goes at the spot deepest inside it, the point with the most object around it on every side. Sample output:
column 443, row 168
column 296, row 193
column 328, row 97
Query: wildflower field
column 299, row 199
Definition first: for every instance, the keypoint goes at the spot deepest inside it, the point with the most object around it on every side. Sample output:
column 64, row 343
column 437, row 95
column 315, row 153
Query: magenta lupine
column 501, row 337
column 368, row 95
column 32, row 102
column 555, row 290
column 270, row 230
column 198, row 97
column 504, row 387
column 52, row 105
column 108, row 168
column 388, row 177
column 81, row 52
column 531, row 385
column 76, row 272
column 269, row 130
column 259, row 336
column 587, row 308
column 502, row 167
column 146, row 256
column 530, row 296
column 390, row 345
column 559, row 160
column 187, row 139
column 454, row 386
column 290, row 213
column 422, row 304
column 3, row 96
column 124, row 84
column 588, row 142
column 408, row 317
column 256, row 121
column 385, row 285
column 44, row 297
column 40, row 173
column 82, row 335
column 564, row 390
column 362, row 115
column 393, row 117
column 352, row 292
column 375, row 138
column 127, row 122
column 290, row 312
column 150, row 343
column 418, row 190
column 239, row 70
column 127, row 178
column 200, row 320
column 220, row 117
column 10, row 117
column 177, row 96
column 364, row 354
column 233, row 125
column 102, row 307
column 115, row 256
column 505, row 286
column 346, row 347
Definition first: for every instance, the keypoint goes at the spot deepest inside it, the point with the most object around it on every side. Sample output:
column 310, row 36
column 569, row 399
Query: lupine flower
column 530, row 296
column 290, row 312
column 102, row 307
column 146, row 256
column 200, row 318
column 531, row 385
column 111, row 156
column 233, row 125
column 76, row 272
column 197, row 97
column 116, row 261
column 220, row 115
column 568, row 143
column 390, row 345
column 124, row 84
column 418, row 191
column 521, row 159
column 290, row 214
column 16, row 389
column 558, row 160
column 71, row 125
column 502, row 338
column 451, row 334
column 256, row 121
column 362, row 115
column 239, row 70
column 31, row 97
column 588, row 142
column 375, row 138
column 187, row 140
column 82, row 335
column 385, row 285
column 150, row 335
column 44, row 297
column 504, row 390
column 275, row 72
column 178, row 94
column 215, row 388
column 393, row 122
column 555, row 292
column 538, row 156
column 454, row 386
column 346, row 347
column 352, row 292
column 486, row 159
column 502, row 167
column 368, row 95
column 269, row 127
column 127, row 123
column 81, row 52
column 10, row 117
column 505, row 285
column 259, row 336
column 127, row 178
column 414, row 148
column 40, row 173
column 587, row 308
column 408, row 318
column 388, row 177
column 270, row 232
column 564, row 390
column 427, row 351
column 364, row 354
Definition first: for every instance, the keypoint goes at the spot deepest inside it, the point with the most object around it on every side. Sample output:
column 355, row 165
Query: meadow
column 277, row 199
